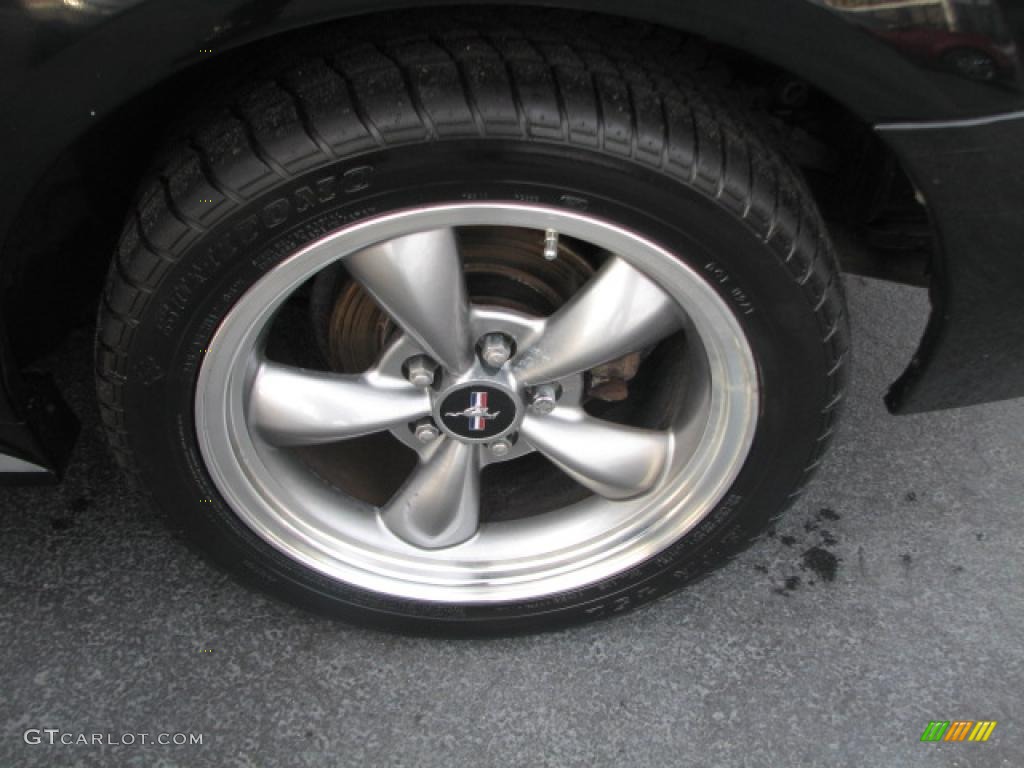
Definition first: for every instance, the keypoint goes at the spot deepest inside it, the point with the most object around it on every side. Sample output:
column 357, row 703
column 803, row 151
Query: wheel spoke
column 619, row 311
column 418, row 280
column 613, row 460
column 439, row 505
column 295, row 406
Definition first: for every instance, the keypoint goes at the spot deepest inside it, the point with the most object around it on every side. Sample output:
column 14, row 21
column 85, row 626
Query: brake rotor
column 504, row 267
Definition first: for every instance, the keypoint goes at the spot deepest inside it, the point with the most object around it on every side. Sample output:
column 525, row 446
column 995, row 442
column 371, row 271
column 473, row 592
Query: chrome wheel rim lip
column 344, row 538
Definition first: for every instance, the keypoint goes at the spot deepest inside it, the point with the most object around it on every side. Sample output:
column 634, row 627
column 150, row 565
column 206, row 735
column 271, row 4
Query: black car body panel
column 942, row 80
column 972, row 174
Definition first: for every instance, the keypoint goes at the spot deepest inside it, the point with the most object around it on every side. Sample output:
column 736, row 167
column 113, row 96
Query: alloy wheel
column 463, row 387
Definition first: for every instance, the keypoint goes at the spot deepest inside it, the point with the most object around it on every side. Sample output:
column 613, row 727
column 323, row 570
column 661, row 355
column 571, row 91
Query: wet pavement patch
column 816, row 559
column 80, row 503
column 77, row 506
column 822, row 562
column 791, row 584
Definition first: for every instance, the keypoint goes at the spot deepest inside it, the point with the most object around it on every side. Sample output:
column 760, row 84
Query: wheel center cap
column 477, row 411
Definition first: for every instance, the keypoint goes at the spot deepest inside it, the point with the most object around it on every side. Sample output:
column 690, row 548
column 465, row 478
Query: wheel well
column 60, row 245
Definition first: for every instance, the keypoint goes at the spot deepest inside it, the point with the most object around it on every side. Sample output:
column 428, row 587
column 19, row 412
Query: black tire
column 485, row 109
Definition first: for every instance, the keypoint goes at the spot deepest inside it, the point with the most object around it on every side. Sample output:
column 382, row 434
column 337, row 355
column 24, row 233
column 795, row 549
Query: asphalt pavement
column 889, row 596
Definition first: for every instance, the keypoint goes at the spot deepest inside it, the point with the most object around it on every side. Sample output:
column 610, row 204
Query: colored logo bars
column 958, row 730
column 478, row 406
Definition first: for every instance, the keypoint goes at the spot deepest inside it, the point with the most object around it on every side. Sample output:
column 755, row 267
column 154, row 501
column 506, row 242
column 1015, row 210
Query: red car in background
column 967, row 54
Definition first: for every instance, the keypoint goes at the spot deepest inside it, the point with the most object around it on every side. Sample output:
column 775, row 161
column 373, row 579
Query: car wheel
column 477, row 333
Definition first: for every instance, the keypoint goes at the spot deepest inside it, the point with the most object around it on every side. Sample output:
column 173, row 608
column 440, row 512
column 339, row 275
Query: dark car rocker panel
column 941, row 81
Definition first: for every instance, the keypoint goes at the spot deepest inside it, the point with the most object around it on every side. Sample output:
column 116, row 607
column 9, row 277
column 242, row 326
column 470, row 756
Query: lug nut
column 500, row 448
column 420, row 371
column 495, row 349
column 545, row 398
column 427, row 433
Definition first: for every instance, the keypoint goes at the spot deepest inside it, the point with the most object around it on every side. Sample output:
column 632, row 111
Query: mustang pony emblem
column 477, row 412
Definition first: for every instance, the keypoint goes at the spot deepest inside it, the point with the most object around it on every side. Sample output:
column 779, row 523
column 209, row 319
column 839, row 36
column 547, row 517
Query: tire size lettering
column 737, row 294
column 574, row 202
column 271, row 216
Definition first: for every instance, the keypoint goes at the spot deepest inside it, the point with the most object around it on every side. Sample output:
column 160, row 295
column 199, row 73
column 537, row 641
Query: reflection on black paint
column 966, row 38
column 75, row 11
